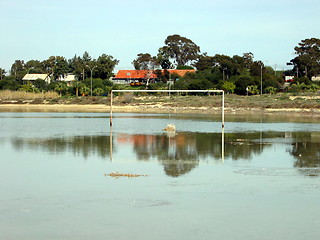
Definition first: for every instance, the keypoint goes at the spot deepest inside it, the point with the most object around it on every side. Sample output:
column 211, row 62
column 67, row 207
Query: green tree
column 204, row 62
column 40, row 84
column 107, row 82
column 77, row 67
column 164, row 59
column 76, row 85
column 248, row 59
column 84, row 90
column 98, row 91
column 34, row 66
column 105, row 66
column 61, row 88
column 184, row 67
column 48, row 64
column 307, row 63
column 145, row 61
column 222, row 67
column 86, row 58
column 242, row 82
column 9, row 83
column 56, row 66
column 180, row 49
column 96, row 83
column 226, row 65
column 163, row 75
column 18, row 69
column 213, row 75
column 200, row 84
column 2, row 73
column 229, row 87
column 256, row 68
column 182, row 84
column 60, row 67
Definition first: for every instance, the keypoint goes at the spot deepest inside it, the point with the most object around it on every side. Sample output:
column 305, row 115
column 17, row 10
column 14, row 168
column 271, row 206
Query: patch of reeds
column 13, row 95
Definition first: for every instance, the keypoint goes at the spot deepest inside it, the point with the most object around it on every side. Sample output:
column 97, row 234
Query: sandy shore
column 101, row 108
column 53, row 108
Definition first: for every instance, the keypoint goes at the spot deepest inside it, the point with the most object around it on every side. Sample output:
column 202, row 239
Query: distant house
column 315, row 78
column 31, row 77
column 288, row 79
column 139, row 77
column 69, row 78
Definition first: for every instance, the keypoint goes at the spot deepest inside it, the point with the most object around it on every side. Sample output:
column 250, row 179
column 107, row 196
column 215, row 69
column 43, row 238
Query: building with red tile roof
column 142, row 76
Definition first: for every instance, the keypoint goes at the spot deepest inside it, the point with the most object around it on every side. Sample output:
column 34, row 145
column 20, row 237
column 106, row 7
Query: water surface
column 257, row 179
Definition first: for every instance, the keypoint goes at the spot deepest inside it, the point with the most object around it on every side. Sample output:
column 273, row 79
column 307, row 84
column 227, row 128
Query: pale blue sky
column 37, row 29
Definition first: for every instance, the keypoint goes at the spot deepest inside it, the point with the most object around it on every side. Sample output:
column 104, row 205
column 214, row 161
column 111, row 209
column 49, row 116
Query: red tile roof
column 142, row 74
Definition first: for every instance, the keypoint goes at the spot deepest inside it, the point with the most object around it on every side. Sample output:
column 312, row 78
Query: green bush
column 98, row 92
column 84, row 90
column 29, row 88
column 229, row 87
column 200, row 85
column 271, row 90
column 253, row 89
column 158, row 86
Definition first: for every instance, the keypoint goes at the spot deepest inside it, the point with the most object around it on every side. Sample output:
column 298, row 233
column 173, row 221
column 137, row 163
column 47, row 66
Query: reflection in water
column 178, row 153
column 181, row 153
column 246, row 145
column 306, row 150
column 79, row 145
column 110, row 143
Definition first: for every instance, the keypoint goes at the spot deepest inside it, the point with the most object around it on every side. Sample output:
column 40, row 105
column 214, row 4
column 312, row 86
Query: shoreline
column 102, row 108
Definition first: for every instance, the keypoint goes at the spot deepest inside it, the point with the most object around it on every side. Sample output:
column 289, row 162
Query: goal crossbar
column 171, row 91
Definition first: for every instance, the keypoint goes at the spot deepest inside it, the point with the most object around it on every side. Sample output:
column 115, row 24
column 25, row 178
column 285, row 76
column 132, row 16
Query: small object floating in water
column 129, row 175
column 170, row 128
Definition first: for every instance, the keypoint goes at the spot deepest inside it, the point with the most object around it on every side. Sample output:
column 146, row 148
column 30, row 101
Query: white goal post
column 172, row 91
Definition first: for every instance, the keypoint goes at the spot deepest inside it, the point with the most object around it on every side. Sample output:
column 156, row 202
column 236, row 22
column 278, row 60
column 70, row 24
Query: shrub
column 29, row 88
column 271, row 90
column 98, row 92
column 229, row 87
column 84, row 90
column 253, row 89
column 200, row 85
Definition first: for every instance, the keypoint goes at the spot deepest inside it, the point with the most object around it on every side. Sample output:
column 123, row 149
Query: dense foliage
column 234, row 74
column 307, row 63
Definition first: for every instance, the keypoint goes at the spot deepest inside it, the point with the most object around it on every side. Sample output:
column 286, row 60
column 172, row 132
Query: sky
column 270, row 29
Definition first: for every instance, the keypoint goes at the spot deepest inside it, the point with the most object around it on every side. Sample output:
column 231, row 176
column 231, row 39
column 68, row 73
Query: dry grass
column 277, row 101
column 15, row 95
column 281, row 100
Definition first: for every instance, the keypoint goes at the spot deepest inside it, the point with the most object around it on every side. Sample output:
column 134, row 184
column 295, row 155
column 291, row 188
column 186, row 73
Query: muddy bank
column 279, row 103
column 155, row 108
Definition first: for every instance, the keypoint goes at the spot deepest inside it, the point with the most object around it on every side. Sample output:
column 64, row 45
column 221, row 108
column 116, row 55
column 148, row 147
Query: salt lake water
column 259, row 178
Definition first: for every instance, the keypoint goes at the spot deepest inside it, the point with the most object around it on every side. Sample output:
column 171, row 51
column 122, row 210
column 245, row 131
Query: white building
column 316, row 78
column 31, row 77
column 69, row 78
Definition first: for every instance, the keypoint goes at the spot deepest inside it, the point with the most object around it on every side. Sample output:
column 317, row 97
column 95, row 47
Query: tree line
column 234, row 74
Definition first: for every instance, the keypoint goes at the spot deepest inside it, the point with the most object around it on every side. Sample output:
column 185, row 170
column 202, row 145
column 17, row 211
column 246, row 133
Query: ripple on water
column 150, row 203
column 282, row 172
column 267, row 171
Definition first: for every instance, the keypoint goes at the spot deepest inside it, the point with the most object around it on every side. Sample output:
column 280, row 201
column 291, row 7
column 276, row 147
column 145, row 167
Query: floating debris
column 129, row 175
column 170, row 128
